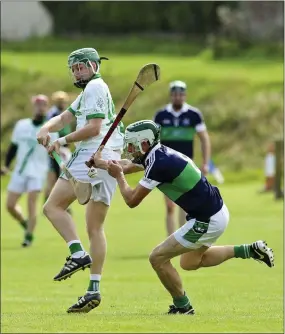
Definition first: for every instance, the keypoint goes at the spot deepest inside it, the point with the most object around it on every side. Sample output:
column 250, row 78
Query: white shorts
column 103, row 185
column 24, row 184
column 194, row 234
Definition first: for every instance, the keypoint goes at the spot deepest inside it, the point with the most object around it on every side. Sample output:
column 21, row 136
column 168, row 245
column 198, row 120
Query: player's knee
column 155, row 259
column 47, row 208
column 94, row 229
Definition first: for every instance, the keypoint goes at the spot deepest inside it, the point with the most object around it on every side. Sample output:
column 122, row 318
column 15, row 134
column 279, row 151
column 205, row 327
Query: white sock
column 76, row 255
column 95, row 277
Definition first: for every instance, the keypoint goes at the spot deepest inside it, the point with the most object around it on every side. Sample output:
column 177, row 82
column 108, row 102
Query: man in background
column 269, row 169
column 30, row 169
column 60, row 100
column 179, row 123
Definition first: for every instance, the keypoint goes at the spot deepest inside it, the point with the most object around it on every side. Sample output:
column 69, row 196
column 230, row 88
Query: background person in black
column 179, row 123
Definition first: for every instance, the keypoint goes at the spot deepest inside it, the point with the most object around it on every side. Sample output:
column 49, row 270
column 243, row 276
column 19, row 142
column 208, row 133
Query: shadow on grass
column 133, row 257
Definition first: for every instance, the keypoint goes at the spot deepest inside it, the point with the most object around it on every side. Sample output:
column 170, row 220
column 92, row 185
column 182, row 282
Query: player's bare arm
column 132, row 197
column 54, row 125
column 91, row 129
column 206, row 149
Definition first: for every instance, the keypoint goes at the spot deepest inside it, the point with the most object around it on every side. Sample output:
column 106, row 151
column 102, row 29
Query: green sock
column 24, row 224
column 75, row 247
column 93, row 286
column 182, row 301
column 29, row 237
column 242, row 251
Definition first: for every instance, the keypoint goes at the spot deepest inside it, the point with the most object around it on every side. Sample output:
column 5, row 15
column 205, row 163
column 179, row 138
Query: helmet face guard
column 83, row 72
column 136, row 134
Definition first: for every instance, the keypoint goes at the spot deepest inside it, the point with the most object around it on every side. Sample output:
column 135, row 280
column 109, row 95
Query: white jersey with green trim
column 31, row 158
column 95, row 101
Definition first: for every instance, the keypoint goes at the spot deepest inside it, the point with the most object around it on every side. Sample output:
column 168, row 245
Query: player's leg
column 32, row 198
column 216, row 255
column 51, row 181
column 182, row 217
column 187, row 241
column 170, row 215
column 95, row 216
column 212, row 256
column 15, row 209
column 104, row 187
column 34, row 186
column 62, row 195
column 53, row 175
column 16, row 188
column 160, row 260
column 193, row 233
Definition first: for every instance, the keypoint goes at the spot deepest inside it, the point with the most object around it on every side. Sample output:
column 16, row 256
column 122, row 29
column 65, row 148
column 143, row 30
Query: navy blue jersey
column 54, row 111
column 178, row 128
column 179, row 179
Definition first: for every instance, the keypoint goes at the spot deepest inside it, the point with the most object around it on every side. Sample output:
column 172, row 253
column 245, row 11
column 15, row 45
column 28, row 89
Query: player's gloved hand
column 114, row 168
column 43, row 137
column 205, row 169
column 4, row 170
column 55, row 146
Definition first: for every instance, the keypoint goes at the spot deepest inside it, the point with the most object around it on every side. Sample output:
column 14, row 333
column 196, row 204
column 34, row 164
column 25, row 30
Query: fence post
column 279, row 146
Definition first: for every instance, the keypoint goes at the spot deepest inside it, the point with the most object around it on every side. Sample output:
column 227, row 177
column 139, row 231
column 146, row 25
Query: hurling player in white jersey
column 94, row 113
column 30, row 169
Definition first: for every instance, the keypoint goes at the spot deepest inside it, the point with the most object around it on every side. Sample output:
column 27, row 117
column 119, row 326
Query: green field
column 241, row 99
column 238, row 296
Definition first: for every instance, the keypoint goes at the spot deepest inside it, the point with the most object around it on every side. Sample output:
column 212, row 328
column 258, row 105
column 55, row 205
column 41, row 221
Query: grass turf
column 238, row 296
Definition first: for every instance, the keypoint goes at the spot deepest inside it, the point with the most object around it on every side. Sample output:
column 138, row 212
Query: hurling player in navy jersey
column 179, row 123
column 176, row 175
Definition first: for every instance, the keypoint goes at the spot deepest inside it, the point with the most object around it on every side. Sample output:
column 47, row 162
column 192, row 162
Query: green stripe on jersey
column 184, row 182
column 26, row 158
column 71, row 110
column 98, row 115
column 177, row 133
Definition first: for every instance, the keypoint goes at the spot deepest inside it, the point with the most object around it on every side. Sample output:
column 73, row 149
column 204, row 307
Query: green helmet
column 85, row 56
column 140, row 131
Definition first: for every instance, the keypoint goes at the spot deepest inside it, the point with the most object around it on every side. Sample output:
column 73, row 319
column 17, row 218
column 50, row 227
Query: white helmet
column 140, row 131
column 177, row 85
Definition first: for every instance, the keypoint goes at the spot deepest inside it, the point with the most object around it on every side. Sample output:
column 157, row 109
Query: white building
column 23, row 19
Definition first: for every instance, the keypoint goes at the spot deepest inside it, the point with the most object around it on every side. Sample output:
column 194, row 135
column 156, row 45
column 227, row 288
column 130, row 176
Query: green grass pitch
column 238, row 296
